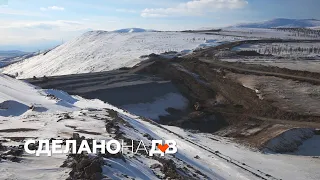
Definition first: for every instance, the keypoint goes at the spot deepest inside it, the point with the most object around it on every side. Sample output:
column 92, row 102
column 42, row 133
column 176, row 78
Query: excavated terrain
column 225, row 98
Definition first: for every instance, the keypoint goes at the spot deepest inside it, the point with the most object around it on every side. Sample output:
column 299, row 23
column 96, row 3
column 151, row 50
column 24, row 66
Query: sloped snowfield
column 260, row 33
column 102, row 51
column 58, row 115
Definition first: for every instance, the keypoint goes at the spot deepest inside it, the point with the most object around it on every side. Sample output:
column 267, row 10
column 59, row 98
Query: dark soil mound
column 249, row 53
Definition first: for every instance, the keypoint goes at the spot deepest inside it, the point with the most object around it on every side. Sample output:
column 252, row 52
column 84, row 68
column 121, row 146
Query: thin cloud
column 53, row 8
column 8, row 11
column 43, row 25
column 194, row 8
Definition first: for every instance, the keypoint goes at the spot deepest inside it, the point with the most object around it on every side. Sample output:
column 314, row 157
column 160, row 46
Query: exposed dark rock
column 93, row 168
column 83, row 166
column 169, row 169
column 14, row 152
column 200, row 121
column 155, row 166
column 2, row 148
column 148, row 137
column 249, row 53
column 83, row 163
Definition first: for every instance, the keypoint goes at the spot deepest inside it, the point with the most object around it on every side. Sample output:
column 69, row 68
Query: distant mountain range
column 12, row 53
column 281, row 22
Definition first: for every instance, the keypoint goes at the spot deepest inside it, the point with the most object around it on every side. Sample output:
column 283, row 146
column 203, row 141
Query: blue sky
column 36, row 24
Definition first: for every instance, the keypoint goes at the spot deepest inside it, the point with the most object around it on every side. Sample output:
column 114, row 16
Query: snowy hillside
column 97, row 51
column 133, row 30
column 19, row 98
column 200, row 155
column 281, row 22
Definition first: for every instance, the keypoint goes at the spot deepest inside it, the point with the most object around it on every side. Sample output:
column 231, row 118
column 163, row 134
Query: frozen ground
column 203, row 155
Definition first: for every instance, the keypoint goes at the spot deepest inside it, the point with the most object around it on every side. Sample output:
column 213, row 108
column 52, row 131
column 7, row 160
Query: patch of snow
column 132, row 168
column 18, row 97
column 159, row 106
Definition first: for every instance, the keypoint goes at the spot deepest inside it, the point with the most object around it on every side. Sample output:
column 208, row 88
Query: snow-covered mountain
column 282, row 22
column 97, row 51
column 134, row 30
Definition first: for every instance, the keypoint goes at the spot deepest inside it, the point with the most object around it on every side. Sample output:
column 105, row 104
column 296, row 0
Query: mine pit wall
column 289, row 141
column 189, row 86
column 200, row 96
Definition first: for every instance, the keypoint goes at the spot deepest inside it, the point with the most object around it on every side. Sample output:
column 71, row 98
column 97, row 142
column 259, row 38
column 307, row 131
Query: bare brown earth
column 288, row 95
column 226, row 102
